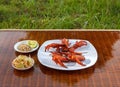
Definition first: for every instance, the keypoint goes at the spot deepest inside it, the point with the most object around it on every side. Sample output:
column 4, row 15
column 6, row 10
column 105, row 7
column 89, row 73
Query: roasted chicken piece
column 64, row 53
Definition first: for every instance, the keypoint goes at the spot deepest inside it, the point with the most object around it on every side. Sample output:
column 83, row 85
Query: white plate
column 24, row 68
column 88, row 51
column 24, row 42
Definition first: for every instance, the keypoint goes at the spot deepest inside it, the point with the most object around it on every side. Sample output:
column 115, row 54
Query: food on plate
column 32, row 43
column 64, row 52
column 23, row 61
column 24, row 47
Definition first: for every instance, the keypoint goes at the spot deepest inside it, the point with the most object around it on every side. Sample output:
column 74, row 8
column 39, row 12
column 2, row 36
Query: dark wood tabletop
column 105, row 72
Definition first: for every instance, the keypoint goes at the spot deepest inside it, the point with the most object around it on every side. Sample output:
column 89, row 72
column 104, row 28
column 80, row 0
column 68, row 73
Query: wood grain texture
column 105, row 73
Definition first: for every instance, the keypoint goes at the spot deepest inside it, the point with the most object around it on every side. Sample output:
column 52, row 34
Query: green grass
column 60, row 14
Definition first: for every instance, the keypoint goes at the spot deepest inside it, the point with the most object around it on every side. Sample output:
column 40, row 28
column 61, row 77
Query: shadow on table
column 24, row 73
column 67, row 78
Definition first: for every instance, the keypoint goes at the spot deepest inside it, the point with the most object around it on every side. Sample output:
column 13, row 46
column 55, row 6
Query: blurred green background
column 59, row 14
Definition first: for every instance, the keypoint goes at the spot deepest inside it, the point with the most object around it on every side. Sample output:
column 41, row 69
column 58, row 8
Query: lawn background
column 59, row 14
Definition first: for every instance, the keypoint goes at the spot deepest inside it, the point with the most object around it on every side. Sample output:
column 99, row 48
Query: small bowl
column 23, row 68
column 25, row 42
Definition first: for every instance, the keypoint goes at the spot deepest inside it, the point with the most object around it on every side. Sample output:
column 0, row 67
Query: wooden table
column 105, row 73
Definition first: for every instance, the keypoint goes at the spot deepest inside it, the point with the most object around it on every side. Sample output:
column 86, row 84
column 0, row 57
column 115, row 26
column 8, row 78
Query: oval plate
column 89, row 52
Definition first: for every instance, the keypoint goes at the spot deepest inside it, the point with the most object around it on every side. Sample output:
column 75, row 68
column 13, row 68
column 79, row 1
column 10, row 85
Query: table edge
column 59, row 30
